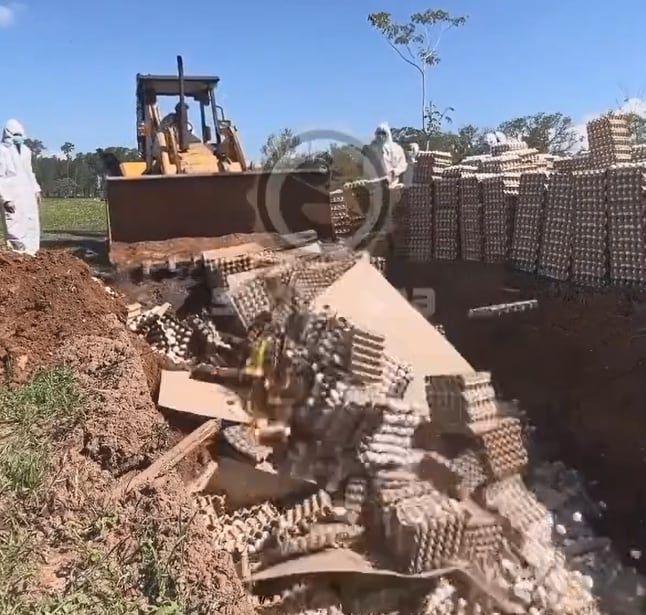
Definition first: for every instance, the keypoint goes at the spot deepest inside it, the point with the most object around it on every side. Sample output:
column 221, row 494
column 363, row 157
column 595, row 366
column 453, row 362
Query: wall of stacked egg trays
column 579, row 219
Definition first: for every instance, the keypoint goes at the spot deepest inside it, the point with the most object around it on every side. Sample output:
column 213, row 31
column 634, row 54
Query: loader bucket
column 162, row 207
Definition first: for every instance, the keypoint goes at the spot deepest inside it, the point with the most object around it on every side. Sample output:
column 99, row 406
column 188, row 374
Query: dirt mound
column 43, row 301
column 122, row 431
column 576, row 365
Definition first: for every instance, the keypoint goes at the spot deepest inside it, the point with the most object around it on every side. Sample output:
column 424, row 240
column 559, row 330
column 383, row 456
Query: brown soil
column 43, row 301
column 53, row 313
column 123, row 432
column 125, row 255
column 576, row 365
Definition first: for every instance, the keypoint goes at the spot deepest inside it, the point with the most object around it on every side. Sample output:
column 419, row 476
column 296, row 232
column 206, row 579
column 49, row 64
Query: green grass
column 32, row 418
column 73, row 216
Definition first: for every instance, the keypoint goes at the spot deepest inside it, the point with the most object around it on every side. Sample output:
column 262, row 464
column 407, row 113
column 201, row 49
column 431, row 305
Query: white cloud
column 7, row 16
column 8, row 13
column 630, row 105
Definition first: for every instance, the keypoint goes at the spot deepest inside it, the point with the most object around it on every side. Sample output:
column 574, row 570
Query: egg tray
column 503, row 450
column 528, row 221
column 457, row 401
column 497, row 214
column 217, row 269
column 355, row 495
column 396, row 376
column 366, row 352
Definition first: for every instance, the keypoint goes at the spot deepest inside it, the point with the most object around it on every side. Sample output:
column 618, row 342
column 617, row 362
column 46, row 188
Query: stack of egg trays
column 413, row 217
column 446, row 202
column 625, row 192
column 556, row 244
column 470, row 218
column 528, row 221
column 590, row 233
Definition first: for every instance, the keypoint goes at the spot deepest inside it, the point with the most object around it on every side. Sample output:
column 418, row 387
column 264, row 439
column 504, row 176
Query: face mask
column 18, row 139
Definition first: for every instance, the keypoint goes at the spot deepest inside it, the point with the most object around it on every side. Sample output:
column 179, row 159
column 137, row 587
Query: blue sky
column 69, row 66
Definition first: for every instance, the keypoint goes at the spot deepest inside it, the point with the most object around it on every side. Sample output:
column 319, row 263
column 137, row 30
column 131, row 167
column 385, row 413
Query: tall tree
column 552, row 133
column 280, row 149
column 417, row 41
column 67, row 148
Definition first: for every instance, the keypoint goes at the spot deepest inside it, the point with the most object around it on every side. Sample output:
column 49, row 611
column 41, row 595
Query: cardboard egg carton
column 471, row 236
column 445, row 235
column 344, row 222
column 556, row 248
column 528, row 221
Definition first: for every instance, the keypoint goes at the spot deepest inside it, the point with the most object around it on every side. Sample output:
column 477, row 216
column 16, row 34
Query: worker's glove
column 9, row 207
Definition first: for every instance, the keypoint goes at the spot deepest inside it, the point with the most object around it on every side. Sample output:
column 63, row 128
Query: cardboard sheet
column 179, row 392
column 365, row 297
column 336, row 560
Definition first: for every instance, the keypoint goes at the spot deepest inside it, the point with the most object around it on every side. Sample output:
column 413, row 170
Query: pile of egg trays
column 590, row 236
column 503, row 449
column 609, row 140
column 556, row 247
column 626, row 218
column 470, row 218
column 579, row 162
column 389, row 444
column 247, row 530
column 429, row 164
column 251, row 299
column 366, row 353
column 458, row 170
column 511, row 499
column 482, row 536
column 512, row 145
column 460, row 400
column 425, row 532
column 497, row 220
column 413, row 218
column 446, row 203
column 363, row 196
column 218, row 269
column 528, row 221
column 311, row 279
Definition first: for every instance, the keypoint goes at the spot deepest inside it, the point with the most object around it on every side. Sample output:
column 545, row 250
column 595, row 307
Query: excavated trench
column 576, row 365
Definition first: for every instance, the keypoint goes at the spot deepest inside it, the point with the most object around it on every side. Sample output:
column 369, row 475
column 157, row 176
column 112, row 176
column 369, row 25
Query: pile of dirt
column 576, row 365
column 120, row 434
column 43, row 301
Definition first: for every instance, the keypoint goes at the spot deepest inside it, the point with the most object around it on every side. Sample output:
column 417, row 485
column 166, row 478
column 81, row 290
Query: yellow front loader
column 189, row 185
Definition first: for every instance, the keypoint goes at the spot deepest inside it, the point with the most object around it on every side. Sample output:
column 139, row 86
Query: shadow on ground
column 92, row 247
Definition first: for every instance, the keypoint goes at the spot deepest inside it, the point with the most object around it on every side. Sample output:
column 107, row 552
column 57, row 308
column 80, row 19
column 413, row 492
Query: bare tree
column 417, row 41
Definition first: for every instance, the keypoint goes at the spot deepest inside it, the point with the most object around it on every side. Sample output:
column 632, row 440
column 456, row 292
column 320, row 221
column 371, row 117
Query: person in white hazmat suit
column 19, row 191
column 385, row 157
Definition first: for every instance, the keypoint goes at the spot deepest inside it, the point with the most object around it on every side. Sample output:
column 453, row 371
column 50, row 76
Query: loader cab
column 170, row 148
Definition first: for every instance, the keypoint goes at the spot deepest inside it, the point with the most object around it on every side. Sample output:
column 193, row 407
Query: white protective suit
column 386, row 159
column 20, row 190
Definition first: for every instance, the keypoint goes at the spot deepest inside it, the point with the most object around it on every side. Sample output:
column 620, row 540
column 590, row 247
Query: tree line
column 79, row 175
